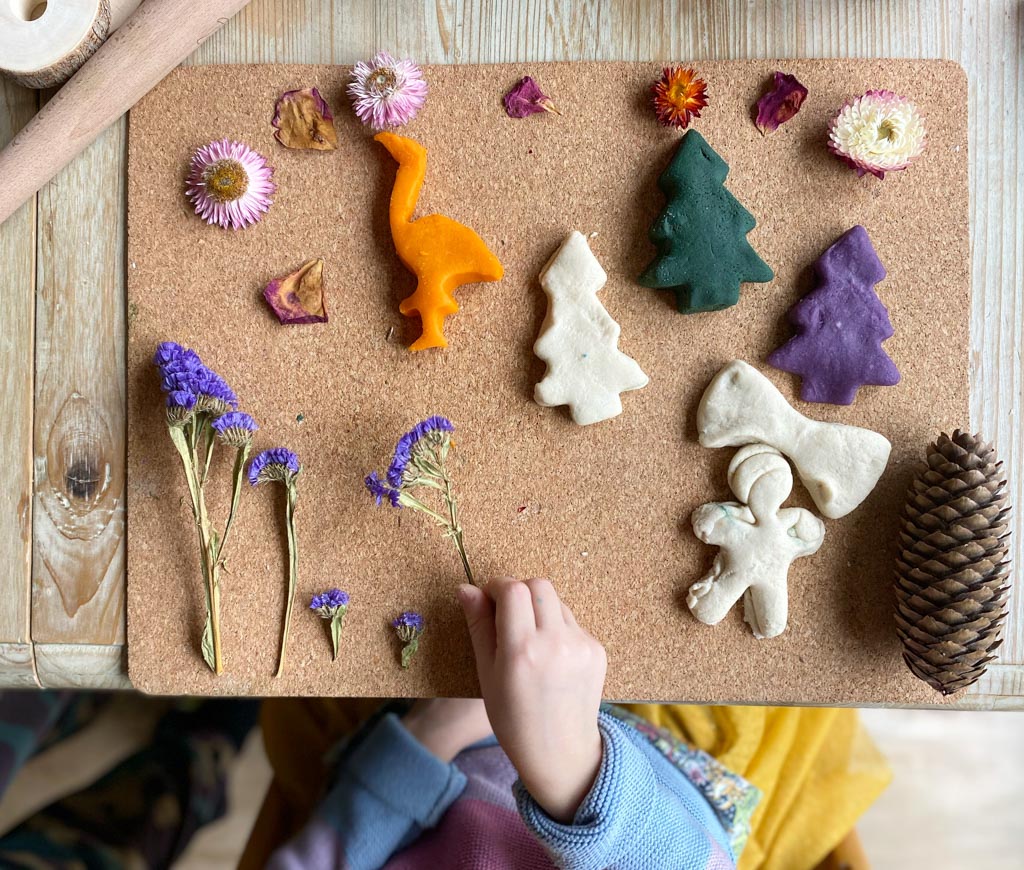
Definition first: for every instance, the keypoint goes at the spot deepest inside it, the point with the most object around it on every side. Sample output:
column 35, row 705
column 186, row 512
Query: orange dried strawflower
column 679, row 96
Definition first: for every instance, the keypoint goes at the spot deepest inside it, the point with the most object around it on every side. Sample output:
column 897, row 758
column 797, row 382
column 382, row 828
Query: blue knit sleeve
column 640, row 813
column 389, row 789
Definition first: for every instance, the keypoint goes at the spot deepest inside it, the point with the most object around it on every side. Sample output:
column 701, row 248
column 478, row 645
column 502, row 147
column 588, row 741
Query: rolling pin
column 153, row 41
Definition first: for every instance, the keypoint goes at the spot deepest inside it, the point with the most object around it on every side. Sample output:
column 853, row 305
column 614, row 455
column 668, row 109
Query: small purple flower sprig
column 409, row 626
column 202, row 410
column 419, row 461
column 332, row 605
column 279, row 464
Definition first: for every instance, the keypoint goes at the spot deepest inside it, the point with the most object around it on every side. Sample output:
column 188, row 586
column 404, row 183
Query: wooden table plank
column 17, row 287
column 78, row 552
column 982, row 34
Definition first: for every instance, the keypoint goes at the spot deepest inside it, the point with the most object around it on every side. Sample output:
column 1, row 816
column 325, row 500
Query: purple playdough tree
column 841, row 325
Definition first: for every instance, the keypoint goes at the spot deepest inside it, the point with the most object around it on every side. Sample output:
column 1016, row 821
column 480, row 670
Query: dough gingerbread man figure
column 759, row 539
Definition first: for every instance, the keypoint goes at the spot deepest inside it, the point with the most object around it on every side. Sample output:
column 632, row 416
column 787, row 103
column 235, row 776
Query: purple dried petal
column 526, row 98
column 780, row 103
column 302, row 119
column 299, row 297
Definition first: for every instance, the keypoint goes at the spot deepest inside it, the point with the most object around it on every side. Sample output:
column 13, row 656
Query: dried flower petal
column 877, row 132
column 302, row 119
column 679, row 96
column 780, row 103
column 299, row 297
column 526, row 98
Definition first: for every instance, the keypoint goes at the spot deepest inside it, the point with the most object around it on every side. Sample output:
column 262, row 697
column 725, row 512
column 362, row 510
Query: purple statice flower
column 326, row 604
column 182, row 371
column 385, row 92
column 404, row 448
column 235, row 428
column 380, row 490
column 409, row 626
column 215, row 396
column 278, row 463
column 182, row 399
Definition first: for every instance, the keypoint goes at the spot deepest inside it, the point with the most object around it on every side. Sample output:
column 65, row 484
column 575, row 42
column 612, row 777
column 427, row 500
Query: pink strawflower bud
column 387, row 93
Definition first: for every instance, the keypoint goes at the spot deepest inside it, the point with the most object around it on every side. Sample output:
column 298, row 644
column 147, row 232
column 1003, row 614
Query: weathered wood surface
column 78, row 592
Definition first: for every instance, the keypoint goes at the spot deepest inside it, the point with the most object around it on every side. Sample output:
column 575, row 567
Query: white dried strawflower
column 877, row 132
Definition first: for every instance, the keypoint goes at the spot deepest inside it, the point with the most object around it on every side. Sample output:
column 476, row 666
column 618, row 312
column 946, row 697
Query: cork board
column 603, row 510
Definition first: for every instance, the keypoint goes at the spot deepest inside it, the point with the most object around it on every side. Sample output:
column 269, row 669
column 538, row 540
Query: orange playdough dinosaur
column 442, row 253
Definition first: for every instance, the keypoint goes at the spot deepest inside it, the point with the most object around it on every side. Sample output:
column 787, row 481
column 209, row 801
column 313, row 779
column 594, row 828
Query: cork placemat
column 603, row 510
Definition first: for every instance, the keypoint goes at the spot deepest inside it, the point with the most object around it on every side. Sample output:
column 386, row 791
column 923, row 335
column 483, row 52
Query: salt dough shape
column 442, row 253
column 701, row 234
column 841, row 325
column 838, row 464
column 579, row 340
column 758, row 541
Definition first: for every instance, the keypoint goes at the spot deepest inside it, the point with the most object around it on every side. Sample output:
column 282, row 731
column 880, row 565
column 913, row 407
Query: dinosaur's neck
column 406, row 191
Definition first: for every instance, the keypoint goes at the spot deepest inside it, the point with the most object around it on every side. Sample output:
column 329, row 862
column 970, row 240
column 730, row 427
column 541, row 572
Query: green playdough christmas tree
column 701, row 235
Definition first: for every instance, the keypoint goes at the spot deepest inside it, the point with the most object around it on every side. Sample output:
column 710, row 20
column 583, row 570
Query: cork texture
column 602, row 510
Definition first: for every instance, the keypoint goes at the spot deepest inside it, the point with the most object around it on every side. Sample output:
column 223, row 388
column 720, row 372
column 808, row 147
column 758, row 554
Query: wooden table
column 62, row 267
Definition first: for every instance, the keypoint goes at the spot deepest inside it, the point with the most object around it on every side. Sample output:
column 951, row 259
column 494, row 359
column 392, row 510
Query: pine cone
column 952, row 572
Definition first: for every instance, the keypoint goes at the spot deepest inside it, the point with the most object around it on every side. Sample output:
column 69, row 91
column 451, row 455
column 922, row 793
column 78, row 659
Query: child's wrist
column 559, row 789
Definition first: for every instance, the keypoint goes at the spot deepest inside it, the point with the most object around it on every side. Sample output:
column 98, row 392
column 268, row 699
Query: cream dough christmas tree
column 579, row 340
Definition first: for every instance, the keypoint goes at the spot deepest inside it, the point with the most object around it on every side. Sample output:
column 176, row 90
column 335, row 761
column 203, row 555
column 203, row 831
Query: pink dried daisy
column 878, row 132
column 387, row 93
column 229, row 184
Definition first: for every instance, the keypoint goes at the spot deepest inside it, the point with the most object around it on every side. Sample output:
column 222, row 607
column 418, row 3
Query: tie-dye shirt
column 397, row 806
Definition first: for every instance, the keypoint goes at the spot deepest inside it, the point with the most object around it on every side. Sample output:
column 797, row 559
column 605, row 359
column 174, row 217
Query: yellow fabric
column 817, row 769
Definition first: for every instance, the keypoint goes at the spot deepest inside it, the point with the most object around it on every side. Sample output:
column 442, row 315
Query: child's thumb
column 479, row 612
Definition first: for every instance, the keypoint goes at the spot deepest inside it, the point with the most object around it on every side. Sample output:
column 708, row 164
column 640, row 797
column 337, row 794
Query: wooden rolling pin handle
column 160, row 35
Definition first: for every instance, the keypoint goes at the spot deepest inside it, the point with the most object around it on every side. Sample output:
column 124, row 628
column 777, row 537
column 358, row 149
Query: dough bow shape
column 838, row 464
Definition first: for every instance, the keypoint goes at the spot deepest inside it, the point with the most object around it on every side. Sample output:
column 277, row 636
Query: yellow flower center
column 226, row 180
column 382, row 81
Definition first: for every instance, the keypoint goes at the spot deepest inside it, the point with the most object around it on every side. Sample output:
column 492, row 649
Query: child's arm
column 588, row 789
column 397, row 782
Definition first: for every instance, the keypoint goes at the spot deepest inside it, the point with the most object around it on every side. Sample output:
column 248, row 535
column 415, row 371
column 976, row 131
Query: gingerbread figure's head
column 761, row 478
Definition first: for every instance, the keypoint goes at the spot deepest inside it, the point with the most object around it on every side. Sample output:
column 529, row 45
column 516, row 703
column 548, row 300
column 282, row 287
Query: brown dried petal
column 780, row 103
column 299, row 297
column 302, row 119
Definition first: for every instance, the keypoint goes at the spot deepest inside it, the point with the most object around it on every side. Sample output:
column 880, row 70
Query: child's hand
column 446, row 726
column 541, row 676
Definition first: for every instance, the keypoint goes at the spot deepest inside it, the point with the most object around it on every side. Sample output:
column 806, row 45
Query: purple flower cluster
column 189, row 384
column 409, row 625
column 391, row 488
column 278, row 463
column 330, row 602
column 234, row 428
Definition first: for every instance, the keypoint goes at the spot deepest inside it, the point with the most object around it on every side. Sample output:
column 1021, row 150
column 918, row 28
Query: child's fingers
column 479, row 612
column 567, row 616
column 547, row 608
column 513, row 613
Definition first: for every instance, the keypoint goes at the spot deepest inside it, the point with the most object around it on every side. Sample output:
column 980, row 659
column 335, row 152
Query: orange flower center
column 226, row 180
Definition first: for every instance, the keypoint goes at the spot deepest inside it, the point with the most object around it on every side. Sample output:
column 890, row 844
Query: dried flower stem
column 293, row 571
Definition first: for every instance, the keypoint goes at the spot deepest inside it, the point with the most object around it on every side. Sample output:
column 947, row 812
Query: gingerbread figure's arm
column 721, row 524
column 804, row 530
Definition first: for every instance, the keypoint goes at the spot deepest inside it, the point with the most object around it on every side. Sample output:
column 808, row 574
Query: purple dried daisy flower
column 229, row 184
column 403, row 450
column 409, row 626
column 380, row 490
column 277, row 463
column 235, row 428
column 385, row 92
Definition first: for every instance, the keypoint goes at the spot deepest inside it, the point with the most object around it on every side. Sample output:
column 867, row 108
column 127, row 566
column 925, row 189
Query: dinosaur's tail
column 412, row 167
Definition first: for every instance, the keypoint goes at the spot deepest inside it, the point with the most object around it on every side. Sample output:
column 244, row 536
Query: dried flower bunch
column 332, row 605
column 781, row 102
column 409, row 626
column 387, row 93
column 679, row 96
column 280, row 465
column 877, row 132
column 526, row 98
column 202, row 410
column 303, row 120
column 419, row 462
column 229, row 184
